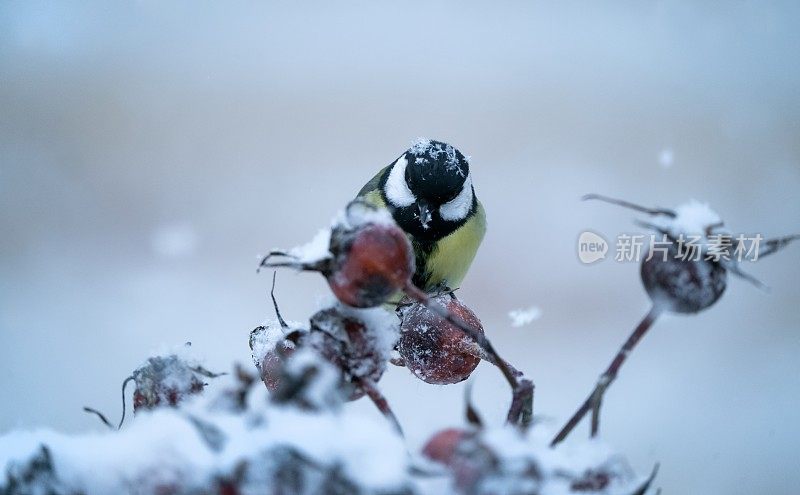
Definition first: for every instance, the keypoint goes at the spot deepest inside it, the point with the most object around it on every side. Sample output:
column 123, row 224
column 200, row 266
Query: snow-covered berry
column 474, row 466
column 371, row 263
column 365, row 257
column 166, row 381
column 435, row 350
column 443, row 445
column 683, row 285
column 358, row 342
column 309, row 381
column 683, row 273
column 271, row 345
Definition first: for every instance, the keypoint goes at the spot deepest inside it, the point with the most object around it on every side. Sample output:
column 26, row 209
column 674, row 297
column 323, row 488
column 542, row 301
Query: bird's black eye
column 436, row 171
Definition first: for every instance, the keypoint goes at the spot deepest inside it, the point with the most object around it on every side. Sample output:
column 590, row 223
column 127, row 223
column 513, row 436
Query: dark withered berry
column 682, row 284
column 271, row 345
column 166, row 381
column 359, row 343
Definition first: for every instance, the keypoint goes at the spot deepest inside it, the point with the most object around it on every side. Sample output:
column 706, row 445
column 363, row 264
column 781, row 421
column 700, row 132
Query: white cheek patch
column 458, row 208
column 397, row 191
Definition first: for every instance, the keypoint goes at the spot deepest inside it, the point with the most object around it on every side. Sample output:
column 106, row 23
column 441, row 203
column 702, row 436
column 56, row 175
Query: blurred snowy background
column 150, row 150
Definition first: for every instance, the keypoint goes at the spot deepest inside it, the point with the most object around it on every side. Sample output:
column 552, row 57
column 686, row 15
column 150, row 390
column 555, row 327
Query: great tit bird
column 429, row 192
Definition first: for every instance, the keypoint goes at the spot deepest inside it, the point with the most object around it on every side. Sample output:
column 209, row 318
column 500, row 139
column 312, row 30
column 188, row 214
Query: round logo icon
column 591, row 247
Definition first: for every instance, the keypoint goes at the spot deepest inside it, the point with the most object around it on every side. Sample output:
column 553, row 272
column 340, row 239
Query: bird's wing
column 371, row 190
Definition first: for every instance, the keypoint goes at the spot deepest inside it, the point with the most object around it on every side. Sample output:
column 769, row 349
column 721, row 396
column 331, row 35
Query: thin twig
column 124, row 384
column 774, row 245
column 322, row 265
column 264, row 264
column 380, row 402
column 275, row 302
column 648, row 482
column 632, row 206
column 103, row 417
column 472, row 415
column 206, row 373
column 521, row 410
column 99, row 415
column 594, row 401
column 733, row 266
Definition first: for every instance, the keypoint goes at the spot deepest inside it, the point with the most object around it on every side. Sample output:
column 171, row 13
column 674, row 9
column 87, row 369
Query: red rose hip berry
column 370, row 264
column 435, row 350
column 367, row 257
column 442, row 446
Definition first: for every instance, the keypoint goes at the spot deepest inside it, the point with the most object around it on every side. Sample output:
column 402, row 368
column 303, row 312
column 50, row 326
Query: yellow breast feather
column 453, row 255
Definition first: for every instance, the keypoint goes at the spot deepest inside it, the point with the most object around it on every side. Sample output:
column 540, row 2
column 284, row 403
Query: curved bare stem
column 595, row 399
column 380, row 402
column 628, row 204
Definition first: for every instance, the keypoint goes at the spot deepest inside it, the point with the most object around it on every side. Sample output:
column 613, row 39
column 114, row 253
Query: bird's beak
column 424, row 213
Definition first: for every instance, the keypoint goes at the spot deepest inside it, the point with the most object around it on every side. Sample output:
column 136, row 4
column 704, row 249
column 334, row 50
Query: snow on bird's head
column 430, row 152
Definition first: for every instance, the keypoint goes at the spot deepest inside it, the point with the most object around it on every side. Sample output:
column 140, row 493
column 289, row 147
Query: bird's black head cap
column 436, row 171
